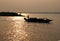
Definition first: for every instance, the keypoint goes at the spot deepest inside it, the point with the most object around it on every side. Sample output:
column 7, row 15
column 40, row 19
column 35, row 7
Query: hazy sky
column 30, row 5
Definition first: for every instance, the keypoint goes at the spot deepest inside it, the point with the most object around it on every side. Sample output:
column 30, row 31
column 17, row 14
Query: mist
column 30, row 5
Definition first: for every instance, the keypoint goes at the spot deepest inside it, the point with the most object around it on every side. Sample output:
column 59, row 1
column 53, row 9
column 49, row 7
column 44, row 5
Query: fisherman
column 28, row 16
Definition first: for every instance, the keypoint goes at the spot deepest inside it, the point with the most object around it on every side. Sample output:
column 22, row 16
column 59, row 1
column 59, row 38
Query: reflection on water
column 15, row 29
column 12, row 30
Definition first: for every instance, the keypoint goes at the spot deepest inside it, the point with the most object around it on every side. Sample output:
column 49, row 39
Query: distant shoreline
column 43, row 12
column 16, row 13
column 9, row 14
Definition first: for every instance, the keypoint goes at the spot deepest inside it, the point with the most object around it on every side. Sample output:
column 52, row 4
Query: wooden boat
column 40, row 20
column 37, row 20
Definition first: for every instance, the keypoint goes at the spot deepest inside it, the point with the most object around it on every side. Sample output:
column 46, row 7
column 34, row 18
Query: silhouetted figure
column 28, row 16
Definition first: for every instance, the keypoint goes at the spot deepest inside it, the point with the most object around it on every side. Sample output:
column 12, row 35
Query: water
column 16, row 29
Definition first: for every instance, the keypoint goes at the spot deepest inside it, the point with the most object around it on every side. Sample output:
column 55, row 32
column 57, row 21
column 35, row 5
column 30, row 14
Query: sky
column 30, row 5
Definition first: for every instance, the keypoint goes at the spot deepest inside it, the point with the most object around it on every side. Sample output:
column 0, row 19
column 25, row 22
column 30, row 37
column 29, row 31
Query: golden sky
column 30, row 5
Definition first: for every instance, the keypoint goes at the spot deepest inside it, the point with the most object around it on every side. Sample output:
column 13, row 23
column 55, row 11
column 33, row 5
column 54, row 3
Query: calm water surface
column 16, row 29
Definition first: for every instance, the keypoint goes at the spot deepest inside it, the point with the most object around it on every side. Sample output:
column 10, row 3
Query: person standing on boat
column 28, row 16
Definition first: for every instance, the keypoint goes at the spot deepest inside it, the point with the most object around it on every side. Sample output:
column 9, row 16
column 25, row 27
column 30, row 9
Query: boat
column 39, row 20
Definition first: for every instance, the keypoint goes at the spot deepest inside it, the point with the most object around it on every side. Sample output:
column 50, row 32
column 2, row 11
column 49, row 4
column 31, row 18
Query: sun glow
column 18, row 18
column 25, row 14
column 19, row 13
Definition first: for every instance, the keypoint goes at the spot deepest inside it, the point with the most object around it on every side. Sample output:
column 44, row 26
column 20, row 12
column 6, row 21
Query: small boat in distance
column 39, row 20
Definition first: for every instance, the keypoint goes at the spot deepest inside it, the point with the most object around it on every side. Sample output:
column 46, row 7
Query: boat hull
column 37, row 20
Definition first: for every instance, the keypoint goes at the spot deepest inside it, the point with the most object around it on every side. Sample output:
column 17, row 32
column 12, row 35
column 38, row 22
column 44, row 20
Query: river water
column 16, row 29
